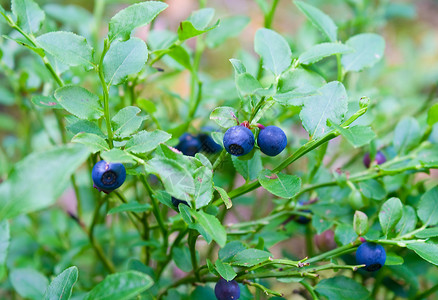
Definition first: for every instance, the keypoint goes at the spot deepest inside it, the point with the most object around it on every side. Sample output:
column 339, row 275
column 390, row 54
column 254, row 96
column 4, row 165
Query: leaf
column 342, row 288
column 203, row 178
column 29, row 15
column 250, row 257
column 427, row 208
column 212, row 226
column 117, row 155
column 407, row 134
column 225, row 270
column 29, row 283
column 281, row 185
column 360, row 223
column 224, row 116
column 5, row 237
column 181, row 56
column 238, row 66
column 227, row 253
column 229, row 27
column 345, row 234
column 320, row 51
column 389, row 215
column 181, row 257
column 427, row 251
column 372, row 189
column 123, row 59
column 330, row 102
column 393, row 260
column 357, row 136
column 76, row 126
column 246, row 84
column 250, row 168
column 127, row 121
column 61, row 287
column 273, row 50
column 39, row 179
column 79, row 102
column 196, row 24
column 121, row 286
column 69, row 48
column 132, row 206
column 432, row 115
column 94, row 142
column 136, row 15
column 145, row 141
column 319, row 19
column 369, row 49
column 427, row 233
column 224, row 197
column 46, row 102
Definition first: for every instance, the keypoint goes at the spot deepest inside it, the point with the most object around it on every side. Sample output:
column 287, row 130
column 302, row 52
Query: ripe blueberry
column 372, row 255
column 379, row 159
column 238, row 140
column 227, row 290
column 208, row 144
column 108, row 176
column 272, row 140
column 189, row 144
column 176, row 202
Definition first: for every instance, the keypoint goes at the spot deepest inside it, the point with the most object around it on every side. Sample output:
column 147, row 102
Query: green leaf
column 229, row 27
column 427, row 208
column 94, row 142
column 121, row 286
column 181, row 56
column 372, row 189
column 250, row 257
column 136, row 15
column 203, row 178
column 345, row 234
column 320, row 51
column 117, row 155
column 196, row 24
column 61, row 287
column 357, row 136
column 5, row 236
column 246, row 84
column 273, row 50
column 69, row 48
column 427, row 251
column 369, row 49
column 319, row 19
column 29, row 15
column 224, row 116
column 238, row 66
column 132, row 206
column 427, row 233
column 123, row 59
column 393, row 259
column 225, row 270
column 330, row 103
column 76, row 126
column 212, row 226
column 281, row 185
column 182, row 259
column 250, row 168
column 145, row 141
column 342, row 288
column 407, row 134
column 432, row 114
column 29, row 283
column 46, row 102
column 389, row 215
column 127, row 121
column 408, row 221
column 39, row 179
column 360, row 223
column 79, row 102
column 224, row 197
column 227, row 253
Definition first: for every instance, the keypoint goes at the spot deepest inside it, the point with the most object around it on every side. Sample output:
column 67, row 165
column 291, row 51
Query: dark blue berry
column 227, row 290
column 208, row 144
column 272, row 140
column 372, row 255
column 238, row 140
column 189, row 144
column 108, row 176
column 177, row 202
column 379, row 159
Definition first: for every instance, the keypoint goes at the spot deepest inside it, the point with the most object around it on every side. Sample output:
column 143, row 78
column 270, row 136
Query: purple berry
column 372, row 255
column 379, row 159
column 238, row 140
column 227, row 290
column 272, row 140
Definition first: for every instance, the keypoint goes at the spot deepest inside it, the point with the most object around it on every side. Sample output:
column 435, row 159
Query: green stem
column 335, row 252
column 219, row 160
column 426, row 293
column 310, row 289
column 264, row 289
column 340, row 69
column 193, row 235
column 106, row 94
column 270, row 16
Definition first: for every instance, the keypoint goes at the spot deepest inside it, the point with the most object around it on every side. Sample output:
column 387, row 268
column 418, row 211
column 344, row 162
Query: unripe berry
column 108, row 176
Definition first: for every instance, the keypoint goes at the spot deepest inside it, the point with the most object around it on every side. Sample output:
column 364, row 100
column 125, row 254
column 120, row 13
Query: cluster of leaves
column 80, row 101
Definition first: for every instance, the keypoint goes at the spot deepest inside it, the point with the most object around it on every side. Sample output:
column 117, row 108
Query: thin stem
column 193, row 235
column 340, row 69
column 264, row 289
column 427, row 293
column 270, row 16
column 310, row 289
column 106, row 94
column 219, row 160
column 335, row 252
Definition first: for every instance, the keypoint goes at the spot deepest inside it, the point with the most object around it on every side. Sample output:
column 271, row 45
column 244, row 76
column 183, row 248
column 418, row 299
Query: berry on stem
column 272, row 140
column 227, row 290
column 238, row 140
column 379, row 159
column 372, row 255
column 176, row 202
column 108, row 176
column 189, row 144
column 208, row 145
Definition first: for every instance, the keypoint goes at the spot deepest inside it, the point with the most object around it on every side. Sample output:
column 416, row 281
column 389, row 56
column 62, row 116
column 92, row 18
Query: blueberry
column 372, row 255
column 272, row 140
column 238, row 140
column 227, row 290
column 379, row 159
column 189, row 144
column 208, row 144
column 176, row 202
column 302, row 219
column 108, row 176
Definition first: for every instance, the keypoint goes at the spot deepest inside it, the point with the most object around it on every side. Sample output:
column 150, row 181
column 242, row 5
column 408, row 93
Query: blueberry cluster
column 227, row 290
column 108, row 176
column 191, row 144
column 372, row 255
column 378, row 159
column 239, row 140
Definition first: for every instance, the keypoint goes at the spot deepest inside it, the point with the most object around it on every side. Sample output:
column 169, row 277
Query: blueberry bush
column 248, row 150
